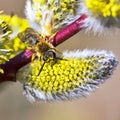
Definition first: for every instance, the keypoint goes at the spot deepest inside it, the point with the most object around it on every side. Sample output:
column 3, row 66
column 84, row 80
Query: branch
column 69, row 31
column 11, row 67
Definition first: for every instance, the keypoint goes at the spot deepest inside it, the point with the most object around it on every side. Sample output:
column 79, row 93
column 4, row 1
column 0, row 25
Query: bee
column 41, row 46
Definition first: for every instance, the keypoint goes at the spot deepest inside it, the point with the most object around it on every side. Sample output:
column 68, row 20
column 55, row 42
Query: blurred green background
column 104, row 104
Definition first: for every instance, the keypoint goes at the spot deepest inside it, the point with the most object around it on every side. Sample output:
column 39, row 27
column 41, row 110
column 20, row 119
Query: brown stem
column 13, row 65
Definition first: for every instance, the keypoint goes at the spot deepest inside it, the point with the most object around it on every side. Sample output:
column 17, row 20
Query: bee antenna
column 41, row 68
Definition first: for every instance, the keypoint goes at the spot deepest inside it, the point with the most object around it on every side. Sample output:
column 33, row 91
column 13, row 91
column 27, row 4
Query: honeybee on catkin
column 40, row 45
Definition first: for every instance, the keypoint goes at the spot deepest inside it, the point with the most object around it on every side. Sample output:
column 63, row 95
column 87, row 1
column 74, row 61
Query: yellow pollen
column 104, row 8
column 62, row 75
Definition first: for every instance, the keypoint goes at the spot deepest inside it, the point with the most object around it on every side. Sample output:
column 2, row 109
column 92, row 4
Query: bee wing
column 49, row 16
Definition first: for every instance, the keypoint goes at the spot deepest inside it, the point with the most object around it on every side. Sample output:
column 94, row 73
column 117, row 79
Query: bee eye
column 49, row 54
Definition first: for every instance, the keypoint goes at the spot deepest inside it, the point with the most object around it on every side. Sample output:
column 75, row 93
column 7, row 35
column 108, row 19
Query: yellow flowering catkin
column 78, row 74
column 61, row 8
column 105, row 8
column 10, row 26
column 51, row 15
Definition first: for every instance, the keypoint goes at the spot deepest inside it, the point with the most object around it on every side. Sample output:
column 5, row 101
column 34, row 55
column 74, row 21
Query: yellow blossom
column 51, row 15
column 105, row 8
column 76, row 75
column 10, row 44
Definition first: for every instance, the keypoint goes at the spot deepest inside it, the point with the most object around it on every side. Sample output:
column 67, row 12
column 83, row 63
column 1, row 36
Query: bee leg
column 34, row 56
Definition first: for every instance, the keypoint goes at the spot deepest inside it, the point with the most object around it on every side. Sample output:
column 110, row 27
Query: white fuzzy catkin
column 107, row 63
